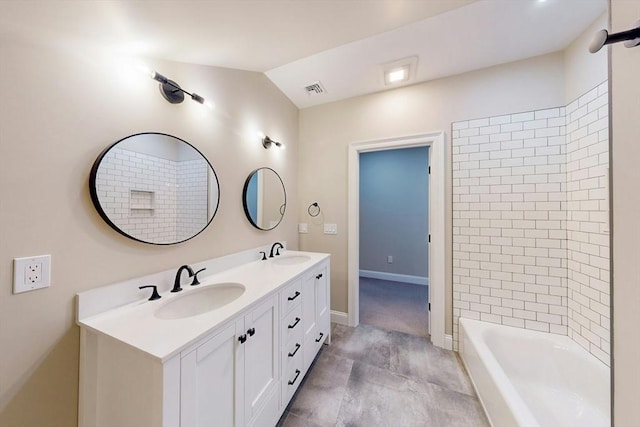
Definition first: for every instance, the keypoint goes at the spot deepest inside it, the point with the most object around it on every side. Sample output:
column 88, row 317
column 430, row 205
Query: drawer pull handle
column 294, row 323
column 291, row 382
column 295, row 351
column 297, row 294
column 251, row 331
column 320, row 337
column 242, row 338
column 319, row 276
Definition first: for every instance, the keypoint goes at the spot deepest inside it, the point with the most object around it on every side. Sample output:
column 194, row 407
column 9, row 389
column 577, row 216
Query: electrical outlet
column 390, row 259
column 31, row 273
column 303, row 228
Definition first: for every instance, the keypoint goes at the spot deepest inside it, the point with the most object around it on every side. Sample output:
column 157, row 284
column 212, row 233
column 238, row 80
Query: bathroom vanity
column 155, row 363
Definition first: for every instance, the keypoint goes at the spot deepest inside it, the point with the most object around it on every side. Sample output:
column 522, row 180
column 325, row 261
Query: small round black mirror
column 264, row 198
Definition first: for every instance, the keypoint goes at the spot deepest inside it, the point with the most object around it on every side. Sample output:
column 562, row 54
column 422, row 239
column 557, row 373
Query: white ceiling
column 296, row 42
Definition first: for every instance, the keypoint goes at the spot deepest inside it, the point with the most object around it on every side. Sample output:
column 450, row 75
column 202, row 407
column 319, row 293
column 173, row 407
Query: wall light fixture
column 631, row 38
column 172, row 92
column 268, row 142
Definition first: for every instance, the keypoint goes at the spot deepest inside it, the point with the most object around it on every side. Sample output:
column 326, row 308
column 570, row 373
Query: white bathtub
column 534, row 379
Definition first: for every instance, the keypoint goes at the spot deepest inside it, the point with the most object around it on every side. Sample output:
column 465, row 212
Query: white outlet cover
column 20, row 282
column 303, row 227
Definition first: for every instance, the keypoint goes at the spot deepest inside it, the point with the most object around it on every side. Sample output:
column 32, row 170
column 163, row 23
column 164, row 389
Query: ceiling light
column 399, row 71
column 397, row 75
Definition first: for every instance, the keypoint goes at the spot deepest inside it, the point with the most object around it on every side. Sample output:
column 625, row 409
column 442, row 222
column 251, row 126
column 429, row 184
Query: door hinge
column 429, row 238
column 429, row 306
column 429, row 170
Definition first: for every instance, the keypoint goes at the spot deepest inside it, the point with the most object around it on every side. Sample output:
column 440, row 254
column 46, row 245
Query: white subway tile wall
column 530, row 221
column 139, row 193
column 192, row 178
column 588, row 222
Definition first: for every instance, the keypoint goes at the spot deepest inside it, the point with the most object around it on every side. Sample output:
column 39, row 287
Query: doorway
column 436, row 252
column 394, row 229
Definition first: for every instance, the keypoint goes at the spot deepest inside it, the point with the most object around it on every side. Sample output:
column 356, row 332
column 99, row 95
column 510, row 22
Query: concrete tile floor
column 373, row 377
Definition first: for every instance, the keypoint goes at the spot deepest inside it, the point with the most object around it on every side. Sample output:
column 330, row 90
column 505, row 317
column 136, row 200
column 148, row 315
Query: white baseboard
column 448, row 342
column 339, row 317
column 405, row 278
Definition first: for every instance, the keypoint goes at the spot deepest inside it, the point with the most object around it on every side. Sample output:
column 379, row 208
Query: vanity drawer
column 292, row 378
column 291, row 352
column 291, row 296
column 292, row 325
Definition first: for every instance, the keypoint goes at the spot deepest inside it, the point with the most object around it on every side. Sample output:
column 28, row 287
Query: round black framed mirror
column 264, row 198
column 154, row 188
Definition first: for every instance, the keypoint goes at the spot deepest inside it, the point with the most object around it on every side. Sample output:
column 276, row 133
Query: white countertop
column 135, row 324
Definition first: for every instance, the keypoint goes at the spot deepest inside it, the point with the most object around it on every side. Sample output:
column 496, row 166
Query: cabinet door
column 309, row 316
column 322, row 295
column 208, row 384
column 261, row 365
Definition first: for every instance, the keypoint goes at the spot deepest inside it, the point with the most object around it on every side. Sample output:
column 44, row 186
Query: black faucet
column 277, row 249
column 176, row 283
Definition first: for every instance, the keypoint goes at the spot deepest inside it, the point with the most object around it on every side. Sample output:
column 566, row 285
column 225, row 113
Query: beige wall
column 60, row 108
column 625, row 151
column 327, row 130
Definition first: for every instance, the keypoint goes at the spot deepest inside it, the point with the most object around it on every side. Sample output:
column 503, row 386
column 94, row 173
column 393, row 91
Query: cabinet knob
column 251, row 331
column 242, row 338
column 320, row 337
column 319, row 276
column 293, row 325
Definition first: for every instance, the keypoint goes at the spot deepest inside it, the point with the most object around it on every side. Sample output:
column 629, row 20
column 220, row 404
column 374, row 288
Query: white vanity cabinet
column 292, row 335
column 235, row 366
column 306, row 322
column 231, row 377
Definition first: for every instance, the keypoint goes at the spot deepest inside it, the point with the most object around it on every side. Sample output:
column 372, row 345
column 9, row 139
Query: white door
column 208, row 390
column 261, row 356
column 323, row 308
column 429, row 252
column 309, row 304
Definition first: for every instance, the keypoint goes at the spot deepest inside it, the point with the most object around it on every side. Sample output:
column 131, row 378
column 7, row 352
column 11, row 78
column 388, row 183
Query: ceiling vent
column 315, row 89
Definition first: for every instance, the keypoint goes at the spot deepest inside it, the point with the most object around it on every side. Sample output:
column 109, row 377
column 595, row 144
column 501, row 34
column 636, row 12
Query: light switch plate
column 331, row 229
column 31, row 273
column 303, row 228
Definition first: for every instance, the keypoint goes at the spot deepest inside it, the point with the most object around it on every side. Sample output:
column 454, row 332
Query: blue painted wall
column 394, row 209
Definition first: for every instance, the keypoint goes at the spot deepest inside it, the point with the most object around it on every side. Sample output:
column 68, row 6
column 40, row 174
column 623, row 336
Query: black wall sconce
column 268, row 142
column 630, row 37
column 172, row 92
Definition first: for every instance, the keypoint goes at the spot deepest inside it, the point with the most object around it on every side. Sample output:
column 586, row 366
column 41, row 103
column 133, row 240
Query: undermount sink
column 201, row 301
column 291, row 260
